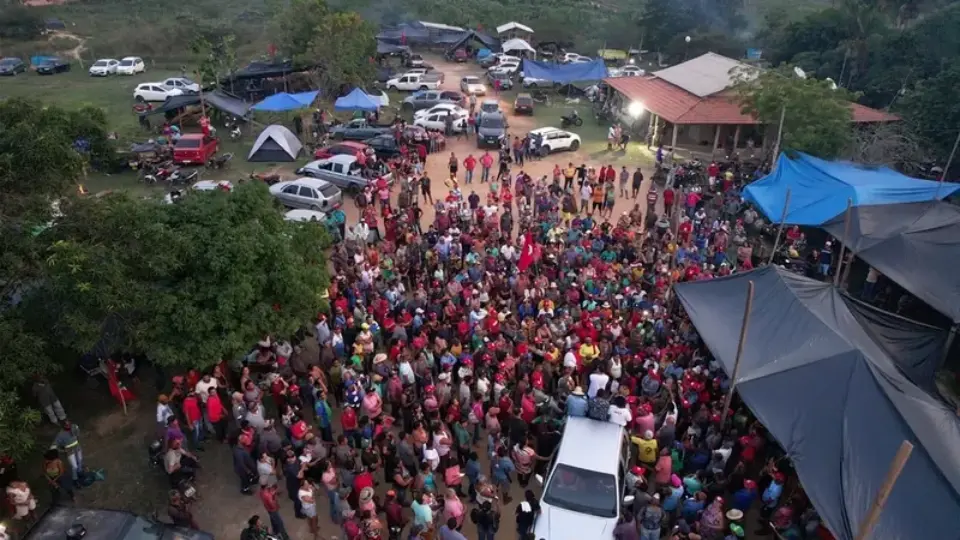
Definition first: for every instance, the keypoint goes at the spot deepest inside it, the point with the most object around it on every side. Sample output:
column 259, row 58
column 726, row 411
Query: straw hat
column 734, row 515
column 578, row 391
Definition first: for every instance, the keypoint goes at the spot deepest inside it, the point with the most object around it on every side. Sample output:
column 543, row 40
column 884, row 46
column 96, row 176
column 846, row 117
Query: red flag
column 526, row 252
column 403, row 38
column 272, row 50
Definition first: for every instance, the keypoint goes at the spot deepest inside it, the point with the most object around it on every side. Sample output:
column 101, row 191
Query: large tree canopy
column 187, row 284
column 816, row 117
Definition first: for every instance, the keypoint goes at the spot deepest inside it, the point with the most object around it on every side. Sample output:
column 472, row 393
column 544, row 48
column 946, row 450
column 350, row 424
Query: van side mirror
column 539, row 478
column 628, row 499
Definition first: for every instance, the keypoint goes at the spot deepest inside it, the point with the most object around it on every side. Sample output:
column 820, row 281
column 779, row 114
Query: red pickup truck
column 195, row 149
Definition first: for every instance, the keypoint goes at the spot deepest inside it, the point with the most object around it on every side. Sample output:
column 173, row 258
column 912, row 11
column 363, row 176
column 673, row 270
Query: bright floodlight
column 687, row 39
column 635, row 109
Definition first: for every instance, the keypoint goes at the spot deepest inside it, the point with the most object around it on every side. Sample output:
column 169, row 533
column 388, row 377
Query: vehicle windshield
column 8, row 61
column 126, row 62
column 471, row 80
column 492, row 122
column 329, row 190
column 583, row 491
column 188, row 143
column 101, row 63
column 524, row 101
column 187, row 81
column 141, row 529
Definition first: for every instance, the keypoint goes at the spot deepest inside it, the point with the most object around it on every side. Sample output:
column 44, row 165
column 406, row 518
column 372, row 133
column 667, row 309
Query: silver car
column 308, row 193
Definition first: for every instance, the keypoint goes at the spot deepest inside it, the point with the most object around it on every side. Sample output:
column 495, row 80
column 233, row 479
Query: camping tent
column 286, row 102
column 565, row 73
column 915, row 244
column 517, row 45
column 485, row 40
column 356, row 100
column 820, row 370
column 217, row 99
column 275, row 144
column 513, row 27
column 819, row 189
column 388, row 48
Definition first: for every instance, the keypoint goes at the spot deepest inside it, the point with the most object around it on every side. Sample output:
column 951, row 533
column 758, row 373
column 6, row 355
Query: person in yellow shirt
column 647, row 448
column 588, row 352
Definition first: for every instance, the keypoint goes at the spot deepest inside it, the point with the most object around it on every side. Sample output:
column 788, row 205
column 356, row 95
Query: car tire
column 544, row 151
column 574, row 146
column 392, row 88
column 139, row 99
column 423, row 87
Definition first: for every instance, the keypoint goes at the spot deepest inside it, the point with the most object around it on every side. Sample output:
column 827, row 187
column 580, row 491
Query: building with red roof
column 692, row 104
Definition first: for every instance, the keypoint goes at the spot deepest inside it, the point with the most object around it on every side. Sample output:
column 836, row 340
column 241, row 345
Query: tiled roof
column 677, row 106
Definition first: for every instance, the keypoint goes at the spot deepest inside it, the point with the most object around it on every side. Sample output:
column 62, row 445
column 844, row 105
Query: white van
column 584, row 490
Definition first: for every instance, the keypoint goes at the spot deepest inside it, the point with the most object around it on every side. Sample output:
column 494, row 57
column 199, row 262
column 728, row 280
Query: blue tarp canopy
column 819, row 189
column 286, row 102
column 356, row 100
column 838, row 383
column 565, row 73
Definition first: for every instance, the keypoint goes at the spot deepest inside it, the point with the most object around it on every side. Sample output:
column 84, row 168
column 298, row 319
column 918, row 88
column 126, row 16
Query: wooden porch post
column 654, row 123
column 673, row 144
column 716, row 140
column 736, row 138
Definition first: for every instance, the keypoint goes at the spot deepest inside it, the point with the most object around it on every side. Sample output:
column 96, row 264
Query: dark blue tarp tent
column 917, row 245
column 356, row 100
column 565, row 73
column 286, row 102
column 830, row 378
column 819, row 189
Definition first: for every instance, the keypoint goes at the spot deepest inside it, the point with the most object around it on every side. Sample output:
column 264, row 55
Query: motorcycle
column 235, row 133
column 220, row 162
column 155, row 458
column 539, row 96
column 269, row 179
column 182, row 178
column 572, row 119
column 160, row 173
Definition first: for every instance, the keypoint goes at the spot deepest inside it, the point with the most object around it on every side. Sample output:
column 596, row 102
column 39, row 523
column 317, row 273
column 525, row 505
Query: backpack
column 598, row 409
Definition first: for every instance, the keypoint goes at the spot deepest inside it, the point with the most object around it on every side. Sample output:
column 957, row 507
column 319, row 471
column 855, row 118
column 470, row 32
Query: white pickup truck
column 415, row 82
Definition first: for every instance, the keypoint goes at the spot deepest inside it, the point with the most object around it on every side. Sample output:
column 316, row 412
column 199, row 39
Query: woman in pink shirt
column 453, row 508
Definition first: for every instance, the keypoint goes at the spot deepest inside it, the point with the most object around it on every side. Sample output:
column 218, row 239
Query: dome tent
column 275, row 144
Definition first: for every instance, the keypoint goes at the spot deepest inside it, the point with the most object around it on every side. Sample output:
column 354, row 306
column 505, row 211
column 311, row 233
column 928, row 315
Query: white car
column 438, row 121
column 508, row 67
column 181, row 83
column 154, row 91
column 473, row 86
column 131, row 65
column 379, row 96
column 506, row 58
column 301, row 215
column 104, row 67
column 533, row 82
column 573, row 57
column 440, row 108
column 212, row 185
column 555, row 140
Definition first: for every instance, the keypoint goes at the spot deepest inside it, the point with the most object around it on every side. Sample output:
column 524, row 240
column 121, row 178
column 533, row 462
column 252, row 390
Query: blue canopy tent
column 565, row 73
column 357, row 99
column 819, row 189
column 286, row 102
column 840, row 385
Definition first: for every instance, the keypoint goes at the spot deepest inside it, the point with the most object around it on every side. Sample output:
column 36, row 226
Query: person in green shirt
column 461, row 434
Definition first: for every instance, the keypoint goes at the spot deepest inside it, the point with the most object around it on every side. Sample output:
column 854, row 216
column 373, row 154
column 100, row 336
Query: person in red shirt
column 469, row 165
column 652, row 197
column 668, row 197
column 191, row 410
column 217, row 415
column 610, row 175
column 713, row 171
column 348, row 421
column 268, row 496
column 486, row 162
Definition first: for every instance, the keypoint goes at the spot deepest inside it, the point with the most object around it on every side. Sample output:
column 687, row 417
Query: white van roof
column 591, row 444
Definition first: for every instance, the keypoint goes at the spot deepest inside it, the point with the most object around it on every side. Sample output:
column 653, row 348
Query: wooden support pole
column 783, row 217
column 736, row 364
column 899, row 462
column 843, row 242
column 776, row 145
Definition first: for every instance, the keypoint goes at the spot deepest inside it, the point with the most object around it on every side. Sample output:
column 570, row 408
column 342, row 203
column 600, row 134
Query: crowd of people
column 454, row 350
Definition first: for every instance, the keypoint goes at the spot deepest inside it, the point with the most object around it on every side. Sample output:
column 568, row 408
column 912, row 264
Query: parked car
column 533, row 82
column 438, row 121
column 194, row 149
column 490, row 106
column 73, row 522
column 508, row 67
column 104, row 67
column 627, row 71
column 523, row 104
column 440, row 107
column 492, row 129
column 460, row 56
column 572, row 57
column 308, row 193
column 181, row 83
column 50, row 66
column 349, row 148
column 154, row 91
column 413, row 83
column 385, row 146
column 357, row 130
column 385, row 73
column 300, row 215
column 213, row 185
column 472, row 85
column 342, row 171
column 506, row 81
column 131, row 65
column 379, row 96
column 11, row 66
column 550, row 139
column 414, row 60
column 427, row 99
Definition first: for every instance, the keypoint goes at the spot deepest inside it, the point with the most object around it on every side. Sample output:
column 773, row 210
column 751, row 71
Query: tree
column 39, row 165
column 339, row 43
column 932, row 105
column 187, row 284
column 19, row 22
column 817, row 118
column 216, row 58
column 889, row 144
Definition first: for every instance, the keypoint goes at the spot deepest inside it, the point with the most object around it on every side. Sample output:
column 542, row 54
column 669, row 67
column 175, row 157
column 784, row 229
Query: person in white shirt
column 619, row 413
column 598, row 381
column 204, row 386
column 508, row 252
column 570, row 359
